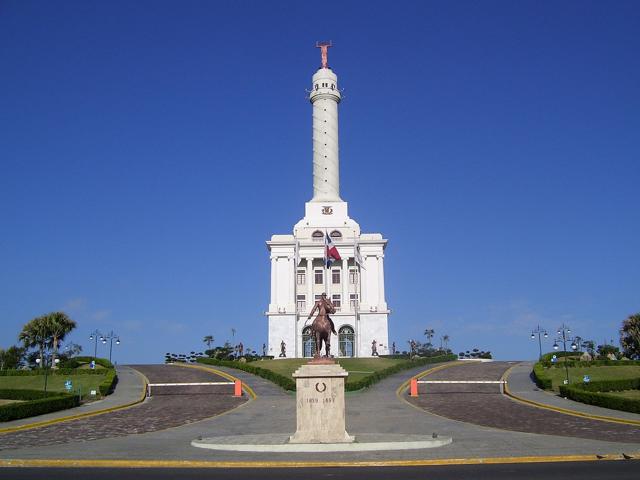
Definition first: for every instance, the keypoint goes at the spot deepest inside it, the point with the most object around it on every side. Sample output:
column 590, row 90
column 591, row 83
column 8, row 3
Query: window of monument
column 336, row 235
column 353, row 276
column 317, row 297
column 353, row 301
column 318, row 277
column 301, row 277
column 317, row 236
column 335, row 276
column 302, row 302
column 337, row 301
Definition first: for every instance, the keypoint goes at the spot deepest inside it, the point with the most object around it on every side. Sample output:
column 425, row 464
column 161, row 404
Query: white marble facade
column 362, row 314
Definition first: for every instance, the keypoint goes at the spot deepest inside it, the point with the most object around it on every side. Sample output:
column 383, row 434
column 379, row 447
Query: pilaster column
column 382, row 304
column 310, row 279
column 344, row 277
column 364, row 297
column 274, row 280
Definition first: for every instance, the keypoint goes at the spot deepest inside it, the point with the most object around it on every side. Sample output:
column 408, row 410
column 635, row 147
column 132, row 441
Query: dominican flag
column 330, row 251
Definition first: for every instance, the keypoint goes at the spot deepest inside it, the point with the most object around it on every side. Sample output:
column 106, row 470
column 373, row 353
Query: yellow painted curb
column 565, row 411
column 226, row 375
column 49, row 463
column 46, row 423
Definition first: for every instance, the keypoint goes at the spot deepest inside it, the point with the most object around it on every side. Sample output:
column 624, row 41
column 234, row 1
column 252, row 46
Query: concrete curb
column 49, row 463
column 565, row 411
column 54, row 421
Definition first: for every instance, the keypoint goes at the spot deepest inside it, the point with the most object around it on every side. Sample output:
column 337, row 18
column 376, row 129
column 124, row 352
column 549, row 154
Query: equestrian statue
column 322, row 326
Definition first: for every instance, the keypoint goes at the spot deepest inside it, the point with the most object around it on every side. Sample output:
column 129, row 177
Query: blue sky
column 149, row 149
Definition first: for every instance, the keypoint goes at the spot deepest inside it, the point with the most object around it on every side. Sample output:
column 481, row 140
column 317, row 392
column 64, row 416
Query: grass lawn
column 7, row 402
column 358, row 368
column 55, row 383
column 632, row 394
column 604, row 372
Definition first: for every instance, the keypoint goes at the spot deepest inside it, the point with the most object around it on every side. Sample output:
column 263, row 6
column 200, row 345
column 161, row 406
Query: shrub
column 35, row 402
column 289, row 383
column 57, row 371
column 107, row 386
column 542, row 381
column 594, row 393
column 75, row 362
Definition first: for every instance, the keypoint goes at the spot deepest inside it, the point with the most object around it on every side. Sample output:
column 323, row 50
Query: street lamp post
column 111, row 336
column 94, row 336
column 563, row 336
column 539, row 331
column 47, row 359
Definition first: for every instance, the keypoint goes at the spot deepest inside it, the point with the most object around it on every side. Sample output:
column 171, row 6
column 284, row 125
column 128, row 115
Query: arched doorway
column 308, row 342
column 346, row 341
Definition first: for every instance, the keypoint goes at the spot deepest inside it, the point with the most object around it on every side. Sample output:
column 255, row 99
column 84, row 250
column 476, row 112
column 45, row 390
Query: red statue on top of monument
column 324, row 48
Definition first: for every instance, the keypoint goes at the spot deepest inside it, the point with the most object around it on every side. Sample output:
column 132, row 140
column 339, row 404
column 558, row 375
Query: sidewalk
column 129, row 389
column 522, row 385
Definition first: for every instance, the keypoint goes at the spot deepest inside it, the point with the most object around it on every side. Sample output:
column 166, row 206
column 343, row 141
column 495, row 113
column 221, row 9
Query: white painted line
column 188, row 384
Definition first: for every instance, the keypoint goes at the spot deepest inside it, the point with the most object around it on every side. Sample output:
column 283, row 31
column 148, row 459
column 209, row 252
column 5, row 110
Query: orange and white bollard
column 413, row 391
column 237, row 391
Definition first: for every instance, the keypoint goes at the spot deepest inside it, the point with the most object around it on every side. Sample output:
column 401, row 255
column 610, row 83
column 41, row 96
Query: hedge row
column 538, row 376
column 281, row 380
column 289, row 383
column 592, row 363
column 109, row 383
column 594, row 393
column 57, row 371
column 75, row 362
column 406, row 365
column 35, row 402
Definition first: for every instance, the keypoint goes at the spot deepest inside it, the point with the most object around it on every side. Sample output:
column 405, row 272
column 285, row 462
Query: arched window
column 308, row 342
column 346, row 341
column 317, row 236
column 336, row 235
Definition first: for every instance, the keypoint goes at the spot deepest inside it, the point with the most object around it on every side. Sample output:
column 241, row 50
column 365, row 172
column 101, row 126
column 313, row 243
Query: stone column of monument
column 325, row 97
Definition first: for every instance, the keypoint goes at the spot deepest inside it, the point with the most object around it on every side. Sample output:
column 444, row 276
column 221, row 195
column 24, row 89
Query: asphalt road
column 619, row 470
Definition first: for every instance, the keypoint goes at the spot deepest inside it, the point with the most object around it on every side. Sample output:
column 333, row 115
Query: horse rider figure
column 322, row 326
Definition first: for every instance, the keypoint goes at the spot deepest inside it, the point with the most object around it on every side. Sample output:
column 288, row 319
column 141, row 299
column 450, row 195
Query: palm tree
column 429, row 333
column 208, row 340
column 58, row 325
column 445, row 340
column 33, row 335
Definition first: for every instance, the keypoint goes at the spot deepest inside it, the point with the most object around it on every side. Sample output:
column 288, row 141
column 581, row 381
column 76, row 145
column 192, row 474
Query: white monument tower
column 299, row 275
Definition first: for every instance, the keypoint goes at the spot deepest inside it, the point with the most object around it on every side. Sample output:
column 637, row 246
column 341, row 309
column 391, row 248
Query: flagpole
column 295, row 297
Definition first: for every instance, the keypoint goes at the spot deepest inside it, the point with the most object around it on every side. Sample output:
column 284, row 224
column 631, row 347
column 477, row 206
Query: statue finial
column 324, row 47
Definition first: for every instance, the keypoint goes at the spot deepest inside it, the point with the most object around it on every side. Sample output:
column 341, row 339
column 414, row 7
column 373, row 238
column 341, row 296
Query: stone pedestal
column 320, row 409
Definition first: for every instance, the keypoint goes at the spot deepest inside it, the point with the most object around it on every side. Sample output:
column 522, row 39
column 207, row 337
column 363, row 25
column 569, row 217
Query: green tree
column 630, row 336
column 11, row 357
column 58, row 326
column 34, row 335
column 208, row 340
column 429, row 333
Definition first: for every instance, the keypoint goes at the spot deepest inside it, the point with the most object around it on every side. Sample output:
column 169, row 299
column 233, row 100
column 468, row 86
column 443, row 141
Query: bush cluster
column 593, row 363
column 539, row 377
column 75, row 362
column 406, row 365
column 595, row 393
column 57, row 371
column 109, row 383
column 288, row 383
column 35, row 402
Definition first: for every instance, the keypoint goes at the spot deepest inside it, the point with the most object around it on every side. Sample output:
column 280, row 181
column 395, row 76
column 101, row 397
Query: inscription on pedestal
column 320, row 408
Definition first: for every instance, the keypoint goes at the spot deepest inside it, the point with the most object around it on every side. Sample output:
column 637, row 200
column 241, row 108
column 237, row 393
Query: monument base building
column 299, row 275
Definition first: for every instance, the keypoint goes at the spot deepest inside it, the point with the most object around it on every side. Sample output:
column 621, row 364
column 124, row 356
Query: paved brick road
column 157, row 413
column 484, row 405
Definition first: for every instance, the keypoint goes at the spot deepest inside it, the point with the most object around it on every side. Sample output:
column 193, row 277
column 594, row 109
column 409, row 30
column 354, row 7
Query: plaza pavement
column 377, row 411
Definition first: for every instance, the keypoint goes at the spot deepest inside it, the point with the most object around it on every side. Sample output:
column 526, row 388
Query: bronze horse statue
column 322, row 326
